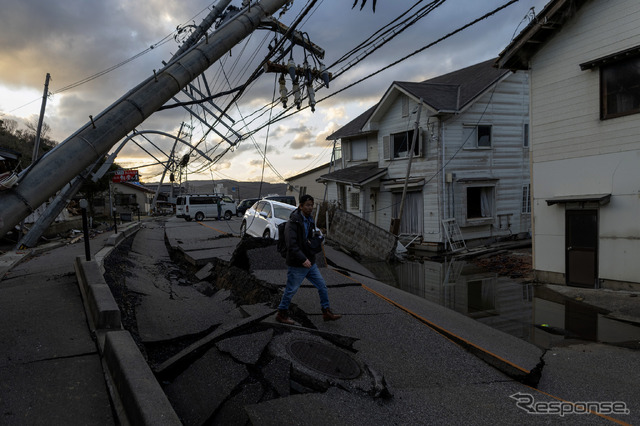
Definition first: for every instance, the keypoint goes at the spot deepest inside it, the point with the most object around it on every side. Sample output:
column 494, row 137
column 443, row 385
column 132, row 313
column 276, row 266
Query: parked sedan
column 244, row 205
column 262, row 219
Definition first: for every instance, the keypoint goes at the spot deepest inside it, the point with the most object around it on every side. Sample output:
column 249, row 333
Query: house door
column 582, row 248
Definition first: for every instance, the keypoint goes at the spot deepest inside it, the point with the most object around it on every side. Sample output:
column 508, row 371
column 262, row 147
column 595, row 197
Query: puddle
column 505, row 304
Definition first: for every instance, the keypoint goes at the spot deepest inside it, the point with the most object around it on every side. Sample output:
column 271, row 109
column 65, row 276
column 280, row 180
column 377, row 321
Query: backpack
column 282, row 240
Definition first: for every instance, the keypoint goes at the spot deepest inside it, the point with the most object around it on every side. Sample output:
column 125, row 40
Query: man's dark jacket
column 298, row 249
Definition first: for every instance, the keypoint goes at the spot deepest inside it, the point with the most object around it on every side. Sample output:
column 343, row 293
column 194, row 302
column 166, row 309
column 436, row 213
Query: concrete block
column 105, row 310
column 100, row 306
column 137, row 390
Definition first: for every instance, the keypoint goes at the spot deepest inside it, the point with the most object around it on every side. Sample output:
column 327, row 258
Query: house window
column 355, row 201
column 479, row 202
column 526, row 198
column 401, row 143
column 525, row 135
column 359, row 150
column 620, row 88
column 405, row 106
column 125, row 199
column 477, row 136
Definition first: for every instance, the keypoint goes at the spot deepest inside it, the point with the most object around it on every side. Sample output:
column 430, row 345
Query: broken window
column 401, row 144
column 479, row 202
column 477, row 136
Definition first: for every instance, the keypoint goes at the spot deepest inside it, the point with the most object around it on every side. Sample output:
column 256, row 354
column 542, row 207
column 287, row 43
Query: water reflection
column 532, row 313
column 560, row 318
column 462, row 286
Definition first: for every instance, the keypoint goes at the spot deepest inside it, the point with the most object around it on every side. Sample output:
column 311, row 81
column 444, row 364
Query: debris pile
column 512, row 264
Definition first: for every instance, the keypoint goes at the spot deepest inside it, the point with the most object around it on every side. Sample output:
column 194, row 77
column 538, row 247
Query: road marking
column 211, row 227
column 447, row 334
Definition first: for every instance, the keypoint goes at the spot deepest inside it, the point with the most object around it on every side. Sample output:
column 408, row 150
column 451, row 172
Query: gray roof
column 453, row 91
column 354, row 127
column 356, row 175
column 447, row 93
column 308, row 172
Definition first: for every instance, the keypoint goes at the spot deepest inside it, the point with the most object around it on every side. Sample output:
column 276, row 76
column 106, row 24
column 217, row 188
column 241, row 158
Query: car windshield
column 282, row 212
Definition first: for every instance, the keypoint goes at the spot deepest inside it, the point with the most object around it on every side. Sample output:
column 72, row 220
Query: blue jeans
column 295, row 276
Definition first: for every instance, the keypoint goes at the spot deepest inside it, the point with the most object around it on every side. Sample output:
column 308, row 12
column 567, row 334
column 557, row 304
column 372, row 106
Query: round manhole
column 324, row 359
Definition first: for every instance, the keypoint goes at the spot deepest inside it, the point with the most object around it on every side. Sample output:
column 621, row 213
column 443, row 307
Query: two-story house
column 583, row 58
column 470, row 163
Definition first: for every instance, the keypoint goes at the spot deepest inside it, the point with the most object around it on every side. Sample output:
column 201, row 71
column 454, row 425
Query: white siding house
column 307, row 183
column 470, row 162
column 584, row 62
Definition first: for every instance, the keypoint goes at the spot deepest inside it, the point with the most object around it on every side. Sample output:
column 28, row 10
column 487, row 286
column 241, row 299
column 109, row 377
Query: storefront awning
column 601, row 199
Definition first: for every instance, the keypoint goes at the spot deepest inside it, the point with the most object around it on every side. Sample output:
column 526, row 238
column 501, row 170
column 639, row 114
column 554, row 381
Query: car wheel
column 243, row 229
column 266, row 234
column 227, row 215
column 199, row 217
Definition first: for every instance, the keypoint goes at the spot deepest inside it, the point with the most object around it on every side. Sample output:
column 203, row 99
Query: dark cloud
column 75, row 39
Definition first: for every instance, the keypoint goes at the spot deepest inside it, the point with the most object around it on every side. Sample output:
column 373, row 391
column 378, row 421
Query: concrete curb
column 133, row 384
column 137, row 396
column 100, row 307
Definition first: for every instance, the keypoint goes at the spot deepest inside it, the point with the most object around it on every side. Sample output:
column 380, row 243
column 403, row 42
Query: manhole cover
column 324, row 359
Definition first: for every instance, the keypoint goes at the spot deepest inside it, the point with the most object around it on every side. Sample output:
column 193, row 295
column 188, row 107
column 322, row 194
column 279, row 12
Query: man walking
column 301, row 261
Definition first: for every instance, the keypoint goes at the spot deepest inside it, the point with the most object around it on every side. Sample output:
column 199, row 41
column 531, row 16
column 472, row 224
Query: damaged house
column 469, row 173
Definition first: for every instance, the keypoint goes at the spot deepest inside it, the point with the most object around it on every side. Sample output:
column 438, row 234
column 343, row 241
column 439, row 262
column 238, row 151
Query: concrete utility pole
column 202, row 29
column 416, row 129
column 45, row 95
column 164, row 172
column 94, row 140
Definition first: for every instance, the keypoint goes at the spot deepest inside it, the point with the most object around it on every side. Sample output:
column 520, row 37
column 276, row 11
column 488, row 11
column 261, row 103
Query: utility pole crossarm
column 273, row 24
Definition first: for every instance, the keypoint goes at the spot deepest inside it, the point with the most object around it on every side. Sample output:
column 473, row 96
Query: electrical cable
column 282, row 116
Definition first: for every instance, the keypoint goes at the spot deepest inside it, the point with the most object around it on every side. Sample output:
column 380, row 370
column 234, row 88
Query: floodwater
column 511, row 306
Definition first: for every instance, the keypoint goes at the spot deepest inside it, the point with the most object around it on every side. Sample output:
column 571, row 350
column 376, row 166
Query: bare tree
column 10, row 126
column 32, row 126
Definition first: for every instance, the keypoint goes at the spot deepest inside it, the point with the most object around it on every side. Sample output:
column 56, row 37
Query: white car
column 262, row 219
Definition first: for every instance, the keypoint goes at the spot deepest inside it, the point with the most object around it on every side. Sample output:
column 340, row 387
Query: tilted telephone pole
column 59, row 166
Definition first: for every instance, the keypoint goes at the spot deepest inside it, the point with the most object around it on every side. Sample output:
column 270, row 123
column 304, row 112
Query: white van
column 200, row 206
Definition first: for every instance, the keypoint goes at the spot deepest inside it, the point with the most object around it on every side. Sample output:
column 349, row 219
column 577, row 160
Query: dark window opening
column 479, row 202
column 401, row 143
column 620, row 88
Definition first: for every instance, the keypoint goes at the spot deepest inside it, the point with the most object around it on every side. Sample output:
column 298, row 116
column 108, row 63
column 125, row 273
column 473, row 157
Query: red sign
column 124, row 176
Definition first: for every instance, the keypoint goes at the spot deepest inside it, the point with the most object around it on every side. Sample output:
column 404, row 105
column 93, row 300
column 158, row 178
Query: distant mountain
column 237, row 190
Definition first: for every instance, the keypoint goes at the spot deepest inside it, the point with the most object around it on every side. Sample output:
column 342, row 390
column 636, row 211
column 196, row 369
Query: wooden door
column 582, row 248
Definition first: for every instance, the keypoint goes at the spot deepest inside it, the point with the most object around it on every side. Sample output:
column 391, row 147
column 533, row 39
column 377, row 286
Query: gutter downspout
column 444, row 185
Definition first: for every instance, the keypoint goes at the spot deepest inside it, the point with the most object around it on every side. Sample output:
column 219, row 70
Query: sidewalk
column 50, row 367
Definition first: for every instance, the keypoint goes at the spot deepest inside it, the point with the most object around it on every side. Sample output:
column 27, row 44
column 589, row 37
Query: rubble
column 515, row 264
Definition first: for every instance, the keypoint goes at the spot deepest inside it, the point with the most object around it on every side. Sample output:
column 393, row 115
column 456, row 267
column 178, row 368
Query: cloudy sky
column 96, row 51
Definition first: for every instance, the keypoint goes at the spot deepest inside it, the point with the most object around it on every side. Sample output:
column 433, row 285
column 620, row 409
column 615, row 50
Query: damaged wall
column 360, row 236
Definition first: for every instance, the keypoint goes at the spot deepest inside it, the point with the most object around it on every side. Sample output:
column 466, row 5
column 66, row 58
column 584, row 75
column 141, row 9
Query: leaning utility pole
column 45, row 95
column 415, row 138
column 164, row 172
column 95, row 138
